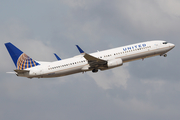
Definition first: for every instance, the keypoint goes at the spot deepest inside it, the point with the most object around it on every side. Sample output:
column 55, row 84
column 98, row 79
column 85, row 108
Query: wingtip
column 58, row 58
column 7, row 43
column 80, row 50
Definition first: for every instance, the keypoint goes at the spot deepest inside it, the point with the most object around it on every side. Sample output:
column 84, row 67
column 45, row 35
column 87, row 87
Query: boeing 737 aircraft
column 101, row 60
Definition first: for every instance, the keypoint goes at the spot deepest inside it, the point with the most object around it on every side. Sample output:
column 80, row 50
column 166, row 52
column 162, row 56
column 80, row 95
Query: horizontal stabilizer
column 21, row 71
column 11, row 72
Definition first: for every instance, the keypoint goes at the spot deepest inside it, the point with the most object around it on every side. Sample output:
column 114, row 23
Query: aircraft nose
column 172, row 45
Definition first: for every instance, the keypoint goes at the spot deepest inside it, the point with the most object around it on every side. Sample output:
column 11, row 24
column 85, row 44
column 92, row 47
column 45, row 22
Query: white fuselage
column 80, row 64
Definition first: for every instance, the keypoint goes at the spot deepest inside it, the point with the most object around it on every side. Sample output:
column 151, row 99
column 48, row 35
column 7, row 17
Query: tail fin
column 20, row 59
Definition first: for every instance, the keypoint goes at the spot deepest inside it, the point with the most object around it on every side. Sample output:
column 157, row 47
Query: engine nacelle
column 115, row 63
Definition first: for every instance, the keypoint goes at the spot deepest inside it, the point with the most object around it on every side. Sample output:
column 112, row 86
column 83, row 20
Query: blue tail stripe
column 22, row 65
column 29, row 65
column 25, row 64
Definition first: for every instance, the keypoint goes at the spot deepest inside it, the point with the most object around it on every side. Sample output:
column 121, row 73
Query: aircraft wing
column 95, row 62
column 91, row 58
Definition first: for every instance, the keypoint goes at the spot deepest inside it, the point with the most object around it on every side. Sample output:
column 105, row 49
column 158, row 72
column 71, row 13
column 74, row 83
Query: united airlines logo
column 25, row 61
column 134, row 47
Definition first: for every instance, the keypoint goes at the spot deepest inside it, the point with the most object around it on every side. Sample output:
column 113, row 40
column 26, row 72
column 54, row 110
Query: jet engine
column 115, row 63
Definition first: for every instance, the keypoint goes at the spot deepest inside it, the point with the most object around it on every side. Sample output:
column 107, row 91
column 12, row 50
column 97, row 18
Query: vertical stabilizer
column 20, row 59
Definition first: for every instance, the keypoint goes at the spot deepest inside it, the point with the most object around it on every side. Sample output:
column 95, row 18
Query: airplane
column 101, row 60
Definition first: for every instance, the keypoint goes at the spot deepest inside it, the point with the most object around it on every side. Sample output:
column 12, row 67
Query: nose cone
column 172, row 45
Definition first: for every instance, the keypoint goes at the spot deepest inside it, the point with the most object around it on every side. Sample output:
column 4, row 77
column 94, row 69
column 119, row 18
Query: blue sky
column 146, row 89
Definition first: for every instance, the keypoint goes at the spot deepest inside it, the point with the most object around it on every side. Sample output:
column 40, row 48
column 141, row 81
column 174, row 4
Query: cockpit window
column 165, row 42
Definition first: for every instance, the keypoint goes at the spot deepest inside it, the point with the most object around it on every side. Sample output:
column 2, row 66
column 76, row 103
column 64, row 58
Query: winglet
column 58, row 58
column 80, row 50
